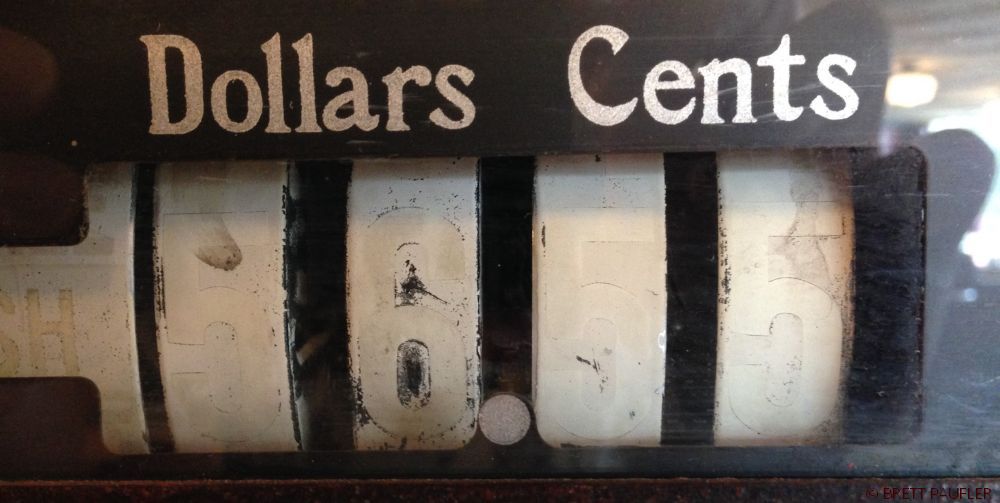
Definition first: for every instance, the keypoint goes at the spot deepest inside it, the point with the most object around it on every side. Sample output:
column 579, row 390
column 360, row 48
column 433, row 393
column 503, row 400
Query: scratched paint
column 220, row 306
column 214, row 245
column 600, row 299
column 786, row 237
column 413, row 302
column 67, row 310
column 413, row 374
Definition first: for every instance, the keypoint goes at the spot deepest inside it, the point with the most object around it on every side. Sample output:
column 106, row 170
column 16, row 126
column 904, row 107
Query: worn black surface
column 692, row 298
column 145, row 270
column 315, row 274
column 413, row 374
column 518, row 49
column 506, row 209
column 883, row 390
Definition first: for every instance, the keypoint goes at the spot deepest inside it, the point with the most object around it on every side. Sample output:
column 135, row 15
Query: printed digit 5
column 220, row 308
column 600, row 299
column 785, row 251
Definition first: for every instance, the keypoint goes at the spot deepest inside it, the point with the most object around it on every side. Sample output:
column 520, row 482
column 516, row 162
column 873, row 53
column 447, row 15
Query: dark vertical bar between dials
column 506, row 209
column 883, row 390
column 145, row 274
column 315, row 276
column 289, row 281
column 692, row 298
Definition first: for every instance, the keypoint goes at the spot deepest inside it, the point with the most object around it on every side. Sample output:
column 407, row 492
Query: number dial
column 600, row 299
column 786, row 240
column 220, row 306
column 413, row 302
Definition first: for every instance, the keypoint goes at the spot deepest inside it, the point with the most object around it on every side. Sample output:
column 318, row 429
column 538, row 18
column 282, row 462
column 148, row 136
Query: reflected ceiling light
column 911, row 89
